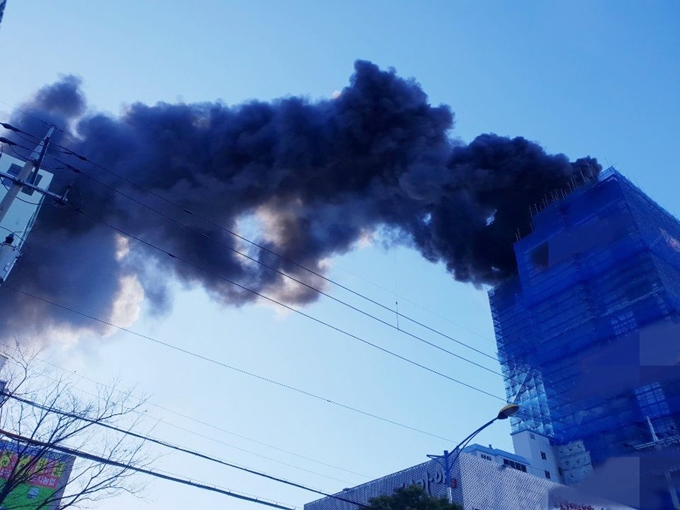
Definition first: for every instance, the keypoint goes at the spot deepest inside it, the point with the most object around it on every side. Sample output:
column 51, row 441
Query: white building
column 541, row 455
column 482, row 479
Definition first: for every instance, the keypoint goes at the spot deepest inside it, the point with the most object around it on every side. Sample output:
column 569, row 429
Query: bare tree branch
column 45, row 408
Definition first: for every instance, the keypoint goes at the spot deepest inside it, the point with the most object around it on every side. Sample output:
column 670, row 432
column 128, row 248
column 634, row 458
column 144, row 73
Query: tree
column 412, row 497
column 42, row 416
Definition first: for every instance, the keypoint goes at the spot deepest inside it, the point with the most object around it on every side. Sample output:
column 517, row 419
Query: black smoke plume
column 378, row 157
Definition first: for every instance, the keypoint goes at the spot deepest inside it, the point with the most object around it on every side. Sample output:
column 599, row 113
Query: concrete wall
column 480, row 484
column 534, row 447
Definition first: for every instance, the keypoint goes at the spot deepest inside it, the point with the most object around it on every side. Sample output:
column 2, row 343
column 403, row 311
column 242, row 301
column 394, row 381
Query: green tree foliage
column 412, row 497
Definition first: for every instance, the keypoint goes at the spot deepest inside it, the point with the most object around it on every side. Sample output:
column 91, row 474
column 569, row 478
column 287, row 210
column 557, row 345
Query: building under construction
column 588, row 332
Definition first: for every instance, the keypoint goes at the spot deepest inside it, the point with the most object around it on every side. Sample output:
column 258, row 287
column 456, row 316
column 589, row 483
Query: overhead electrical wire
column 215, row 427
column 70, row 152
column 265, row 457
column 283, row 305
column 222, row 364
column 293, row 278
column 244, row 372
column 284, row 274
column 279, row 303
column 287, row 307
column 157, row 474
column 121, row 231
column 292, row 309
column 321, row 292
column 19, row 132
column 124, row 233
column 78, row 171
column 83, row 158
column 131, row 236
column 174, row 447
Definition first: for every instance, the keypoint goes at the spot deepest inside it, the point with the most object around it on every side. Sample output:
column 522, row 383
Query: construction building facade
column 588, row 332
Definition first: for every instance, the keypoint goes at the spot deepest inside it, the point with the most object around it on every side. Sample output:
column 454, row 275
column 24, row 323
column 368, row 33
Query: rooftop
column 495, row 452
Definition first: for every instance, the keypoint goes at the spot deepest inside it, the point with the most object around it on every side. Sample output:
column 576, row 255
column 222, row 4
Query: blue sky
column 580, row 77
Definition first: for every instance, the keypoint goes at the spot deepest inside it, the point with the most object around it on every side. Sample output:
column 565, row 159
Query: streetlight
column 503, row 414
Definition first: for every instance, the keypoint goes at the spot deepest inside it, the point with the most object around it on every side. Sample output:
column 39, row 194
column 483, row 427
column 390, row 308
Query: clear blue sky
column 579, row 77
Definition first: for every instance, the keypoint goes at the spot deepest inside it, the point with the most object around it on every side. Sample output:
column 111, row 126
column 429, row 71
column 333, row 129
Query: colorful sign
column 44, row 481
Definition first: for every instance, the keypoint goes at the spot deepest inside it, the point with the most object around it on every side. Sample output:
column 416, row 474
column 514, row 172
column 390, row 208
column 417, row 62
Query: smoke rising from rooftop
column 321, row 175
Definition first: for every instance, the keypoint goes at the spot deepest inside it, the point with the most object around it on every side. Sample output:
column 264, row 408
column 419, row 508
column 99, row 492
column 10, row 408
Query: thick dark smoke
column 322, row 174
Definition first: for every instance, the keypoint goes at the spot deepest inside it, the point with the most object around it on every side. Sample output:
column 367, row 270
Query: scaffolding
column 601, row 264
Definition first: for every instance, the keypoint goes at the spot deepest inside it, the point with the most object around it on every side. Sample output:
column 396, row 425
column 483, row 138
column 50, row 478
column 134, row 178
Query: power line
column 224, row 365
column 295, row 310
column 85, row 159
column 149, row 472
column 210, row 425
column 121, row 231
column 292, row 278
column 32, row 116
column 564, row 401
column 283, row 305
column 70, row 152
column 171, row 446
column 287, row 307
column 259, row 294
column 290, row 308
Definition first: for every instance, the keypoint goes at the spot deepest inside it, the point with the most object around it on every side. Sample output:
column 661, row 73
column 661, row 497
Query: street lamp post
column 445, row 460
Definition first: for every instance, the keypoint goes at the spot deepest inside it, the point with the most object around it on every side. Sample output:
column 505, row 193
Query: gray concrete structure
column 479, row 481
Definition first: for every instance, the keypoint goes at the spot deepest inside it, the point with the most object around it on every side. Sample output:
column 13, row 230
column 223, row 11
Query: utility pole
column 18, row 181
column 26, row 179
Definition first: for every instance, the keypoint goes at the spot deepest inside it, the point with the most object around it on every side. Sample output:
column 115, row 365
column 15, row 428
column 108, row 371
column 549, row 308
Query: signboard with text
column 44, row 480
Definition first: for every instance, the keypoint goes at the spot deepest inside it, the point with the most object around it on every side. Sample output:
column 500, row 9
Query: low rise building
column 483, row 478
column 541, row 455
